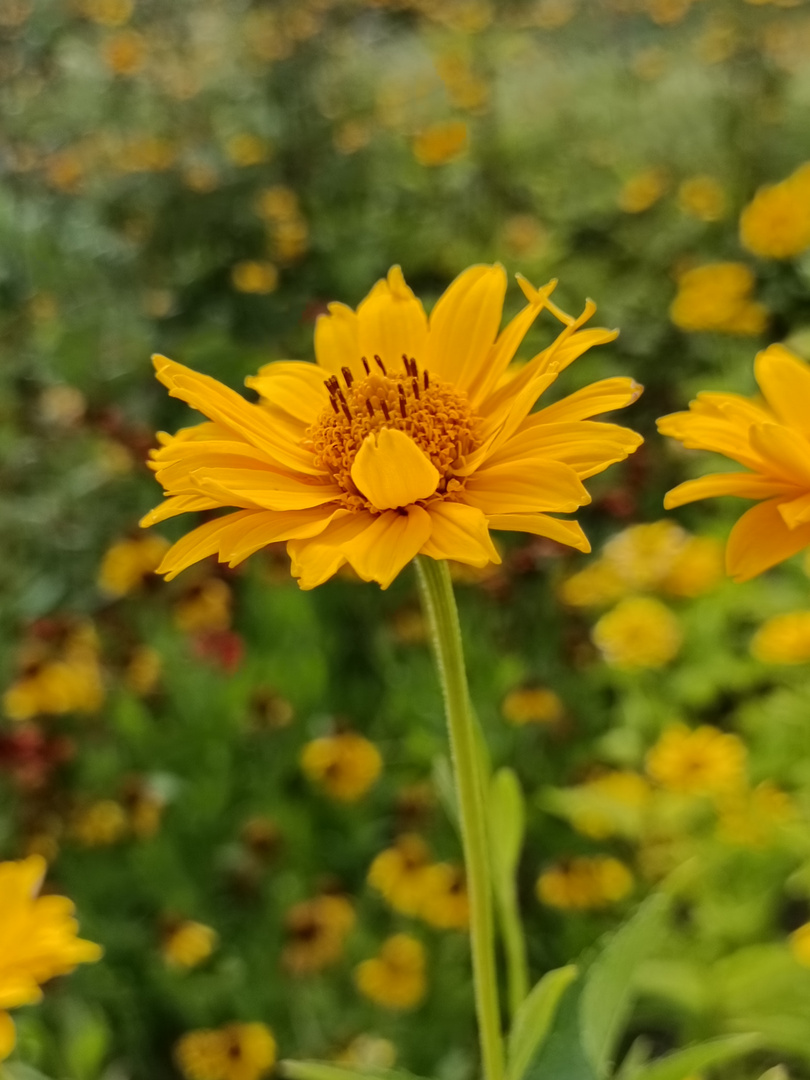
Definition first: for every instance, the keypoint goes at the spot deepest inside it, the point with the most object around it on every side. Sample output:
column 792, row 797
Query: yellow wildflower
column 716, row 298
column 750, row 818
column 58, row 678
column 253, row 276
column 204, row 607
column 400, row 874
column 618, row 792
column 702, row 197
column 532, row 705
column 345, row 765
column 703, row 761
column 783, row 639
column 445, row 903
column 639, row 632
column 800, row 944
column 769, row 437
column 316, row 933
column 189, row 944
column 424, row 445
column 125, row 52
column 697, row 568
column 37, row 940
column 776, row 223
column 395, row 978
column 246, row 149
column 642, row 191
column 643, row 555
column 107, row 12
column 127, row 564
column 143, row 670
column 584, row 883
column 233, row 1052
column 277, row 203
column 598, row 584
column 100, row 824
column 440, row 143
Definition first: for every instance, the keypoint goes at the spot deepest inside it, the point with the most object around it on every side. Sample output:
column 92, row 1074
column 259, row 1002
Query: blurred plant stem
column 440, row 608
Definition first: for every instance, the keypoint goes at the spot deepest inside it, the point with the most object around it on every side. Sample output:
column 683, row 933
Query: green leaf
column 317, row 1070
column 683, row 1063
column 562, row 1056
column 507, row 820
column 534, row 1019
column 86, row 1039
column 607, row 998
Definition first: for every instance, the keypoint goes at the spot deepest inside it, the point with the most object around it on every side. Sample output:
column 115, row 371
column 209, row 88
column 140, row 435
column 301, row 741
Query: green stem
column 440, row 608
column 514, row 944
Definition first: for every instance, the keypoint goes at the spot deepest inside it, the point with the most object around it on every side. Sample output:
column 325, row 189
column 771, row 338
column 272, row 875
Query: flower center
column 435, row 415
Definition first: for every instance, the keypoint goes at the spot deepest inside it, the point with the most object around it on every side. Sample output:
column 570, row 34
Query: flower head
column 401, row 873
column 37, row 940
column 316, row 932
column 783, row 639
column 189, row 944
column 395, row 978
column 233, row 1052
column 345, row 765
column 639, row 632
column 408, row 436
column 703, row 761
column 770, row 438
column 716, row 298
column 584, row 883
column 532, row 705
column 776, row 223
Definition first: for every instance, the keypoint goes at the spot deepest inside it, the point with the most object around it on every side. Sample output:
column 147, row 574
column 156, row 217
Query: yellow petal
column 8, row 1036
column 293, row 387
column 586, row 446
column 785, row 382
column 600, row 397
column 785, row 453
column 460, row 533
column 178, row 504
column 337, row 340
column 315, row 560
column 564, row 532
column 761, row 539
column 263, row 488
column 526, row 486
column 464, row 324
column 385, row 547
column 745, row 485
column 391, row 322
column 391, row 471
column 796, row 512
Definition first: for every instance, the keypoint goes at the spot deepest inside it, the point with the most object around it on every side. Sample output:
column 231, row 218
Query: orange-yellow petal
column 385, row 547
column 317, row 559
column 460, row 533
column 391, row 470
column 337, row 340
column 564, row 532
column 263, row 488
column 526, row 486
column 744, row 485
column 8, row 1036
column 785, row 453
column 600, row 397
column 796, row 511
column 761, row 539
column 178, row 504
column 785, row 383
column 464, row 324
column 392, row 321
column 293, row 387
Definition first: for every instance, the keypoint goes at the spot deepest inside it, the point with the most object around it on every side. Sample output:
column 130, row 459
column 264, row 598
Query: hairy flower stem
column 440, row 607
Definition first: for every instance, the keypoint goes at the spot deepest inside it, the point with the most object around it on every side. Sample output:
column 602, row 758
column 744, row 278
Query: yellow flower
column 445, row 903
column 800, row 944
column 598, row 584
column 59, row 679
column 642, row 191
column 206, row 606
column 702, row 197
column 345, row 765
column 254, row 277
column 125, row 52
column 717, row 298
column 101, row 824
column 617, row 791
column 643, row 555
column 771, row 439
column 127, row 563
column 406, row 437
column 776, row 223
column 246, row 149
column 584, row 883
column 395, row 978
column 638, row 633
column 750, row 818
column 440, row 143
column 316, row 932
column 532, row 705
column 783, row 639
column 703, row 761
column 400, row 873
column 143, row 670
column 189, row 944
column 233, row 1052
column 107, row 12
column 37, row 940
column 697, row 568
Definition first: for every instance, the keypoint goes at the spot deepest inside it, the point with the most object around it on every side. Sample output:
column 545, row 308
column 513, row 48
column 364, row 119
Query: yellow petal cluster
column 699, row 761
column 316, row 933
column 412, row 884
column 233, row 1052
column 640, row 632
column 532, row 705
column 783, row 639
column 409, row 435
column 59, row 679
column 717, row 298
column 189, row 944
column 770, row 438
column 127, row 563
column 776, row 223
column 345, row 765
column 584, row 883
column 38, row 940
column 395, row 978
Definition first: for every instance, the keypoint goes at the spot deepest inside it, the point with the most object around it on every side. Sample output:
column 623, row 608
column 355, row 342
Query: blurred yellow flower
column 716, row 298
column 100, row 824
column 445, row 903
column 639, row 632
column 424, row 457
column 400, row 873
column 143, row 670
column 619, row 790
column 233, row 1052
column 440, row 143
column 65, row 679
column 642, row 191
column 783, row 639
column 751, row 818
column 188, row 944
column 316, row 933
column 699, row 761
column 532, row 705
column 107, row 12
column 776, row 223
column 799, row 942
column 702, row 197
column 345, row 765
column 769, row 437
column 125, row 52
column 395, row 978
column 256, row 277
column 37, row 940
column 368, row 1052
column 246, row 149
column 204, row 607
column 351, row 136
column 127, row 563
column 598, row 584
column 584, row 883
column 643, row 555
column 277, row 203
column 697, row 568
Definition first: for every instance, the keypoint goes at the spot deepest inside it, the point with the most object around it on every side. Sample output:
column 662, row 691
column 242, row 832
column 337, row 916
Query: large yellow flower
column 37, row 940
column 409, row 435
column 770, row 436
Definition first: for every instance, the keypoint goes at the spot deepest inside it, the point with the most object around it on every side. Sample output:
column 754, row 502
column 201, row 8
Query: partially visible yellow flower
column 717, row 298
column 246, row 149
column 316, row 933
column 699, row 761
column 776, row 223
column 204, row 607
column 702, row 197
column 233, row 1052
column 58, row 680
column 395, row 978
column 107, row 12
column 100, row 824
column 440, row 143
column 750, row 818
column 697, row 568
column 769, row 437
column 254, row 276
column 368, row 1052
column 127, row 564
column 783, row 639
column 532, row 705
column 400, row 873
column 143, row 671
column 345, row 765
column 37, row 940
column 445, row 903
column 642, row 191
column 619, row 790
column 639, row 632
column 584, row 883
column 125, row 52
column 189, row 944
column 799, row 942
column 643, row 555
column 597, row 584
column 277, row 203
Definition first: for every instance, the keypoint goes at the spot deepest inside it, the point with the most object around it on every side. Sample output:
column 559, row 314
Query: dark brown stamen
column 384, row 408
column 346, row 410
column 334, row 404
column 370, row 407
column 427, row 380
column 406, row 362
column 415, row 385
column 347, row 375
column 365, row 365
column 380, row 364
column 403, row 404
